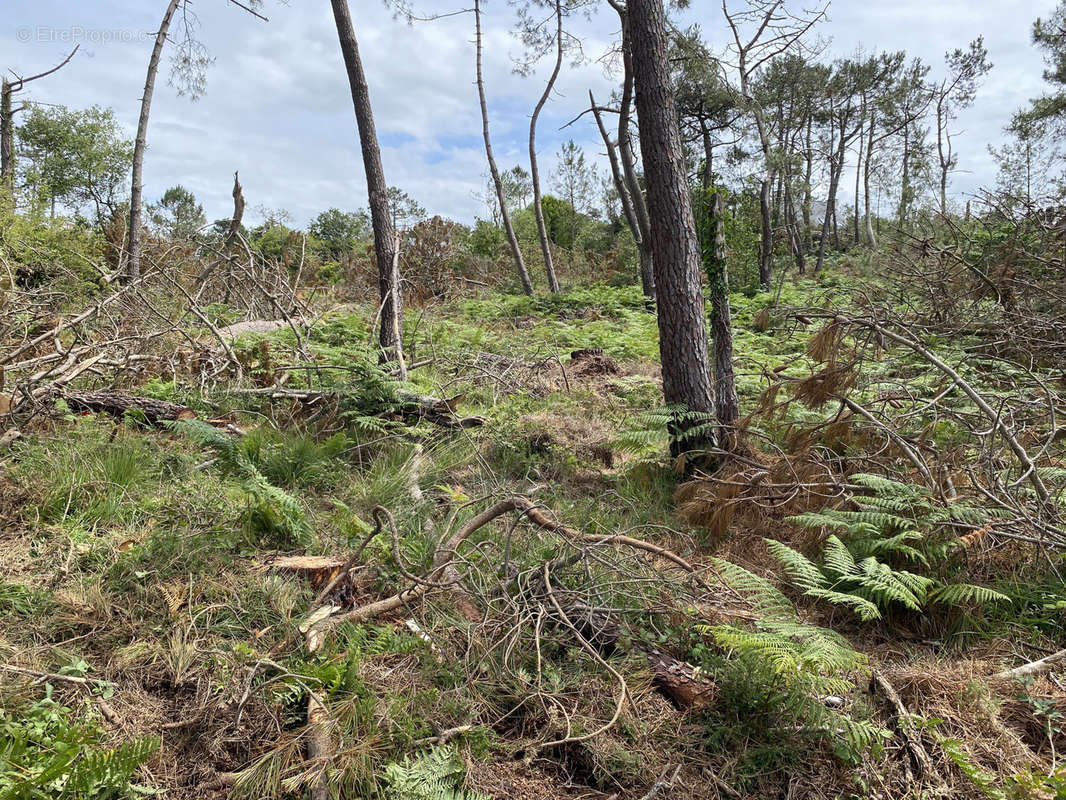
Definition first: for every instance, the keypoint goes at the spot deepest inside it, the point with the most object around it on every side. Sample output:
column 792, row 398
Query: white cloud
column 278, row 106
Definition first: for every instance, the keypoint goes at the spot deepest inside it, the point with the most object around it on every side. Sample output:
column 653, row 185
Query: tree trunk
column 905, row 178
column 629, row 167
column 793, row 229
column 534, row 172
column 675, row 245
column 858, row 183
column 386, row 245
column 505, row 216
column 807, row 190
column 727, row 404
column 766, row 242
column 707, row 175
column 616, row 175
column 7, row 141
column 945, row 161
column 836, row 166
column 647, row 276
column 133, row 258
column 871, row 237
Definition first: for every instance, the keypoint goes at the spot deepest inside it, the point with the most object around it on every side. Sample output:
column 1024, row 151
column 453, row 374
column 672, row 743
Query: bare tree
column 538, row 210
column 386, row 246
column 675, row 245
column 955, row 92
column 189, row 70
column 133, row 257
column 505, row 216
column 7, row 121
column 629, row 162
column 776, row 30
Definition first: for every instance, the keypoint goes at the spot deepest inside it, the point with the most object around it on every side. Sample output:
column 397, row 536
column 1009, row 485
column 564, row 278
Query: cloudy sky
column 278, row 107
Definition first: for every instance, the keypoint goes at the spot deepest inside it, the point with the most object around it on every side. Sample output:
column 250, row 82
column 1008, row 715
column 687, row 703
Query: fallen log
column 118, row 404
column 413, row 406
column 681, row 682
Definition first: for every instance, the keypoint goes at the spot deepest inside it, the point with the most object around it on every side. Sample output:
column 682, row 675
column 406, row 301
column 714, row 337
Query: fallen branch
column 1038, row 667
column 443, row 557
column 118, row 404
column 904, row 725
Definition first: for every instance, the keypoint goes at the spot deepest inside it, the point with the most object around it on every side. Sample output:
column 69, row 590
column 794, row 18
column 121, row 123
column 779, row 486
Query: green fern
column 435, row 775
column 656, row 429
column 809, row 661
column 858, row 563
column 269, row 510
column 46, row 753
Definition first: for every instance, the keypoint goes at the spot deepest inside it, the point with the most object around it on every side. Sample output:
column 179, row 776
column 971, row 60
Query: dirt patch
column 517, row 779
column 593, row 361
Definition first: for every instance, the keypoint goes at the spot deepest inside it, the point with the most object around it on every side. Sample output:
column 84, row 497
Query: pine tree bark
column 675, row 245
column 134, row 239
column 7, row 141
column 766, row 241
column 505, row 215
column 871, row 237
column 534, row 172
column 386, row 245
column 727, row 403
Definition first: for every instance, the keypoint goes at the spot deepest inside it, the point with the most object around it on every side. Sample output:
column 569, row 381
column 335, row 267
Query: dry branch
column 1038, row 667
column 118, row 404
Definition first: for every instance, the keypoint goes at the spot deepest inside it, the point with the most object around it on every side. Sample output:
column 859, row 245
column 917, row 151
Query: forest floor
column 157, row 579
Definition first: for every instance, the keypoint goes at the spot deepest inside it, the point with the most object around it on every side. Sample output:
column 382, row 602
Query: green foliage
column 485, row 239
column 178, row 215
column 866, row 586
column 786, row 666
column 75, row 157
column 340, row 233
column 48, row 249
column 22, row 600
column 894, row 523
column 93, row 477
column 291, row 459
column 655, row 430
column 435, row 775
column 270, row 512
column 47, row 755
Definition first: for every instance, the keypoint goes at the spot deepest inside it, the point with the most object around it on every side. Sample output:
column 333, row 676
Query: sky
column 278, row 106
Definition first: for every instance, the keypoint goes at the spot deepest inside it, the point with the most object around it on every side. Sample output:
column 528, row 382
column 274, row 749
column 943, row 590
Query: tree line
column 721, row 164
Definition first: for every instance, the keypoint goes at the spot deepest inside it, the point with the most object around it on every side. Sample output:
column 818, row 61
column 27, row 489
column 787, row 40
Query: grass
column 144, row 561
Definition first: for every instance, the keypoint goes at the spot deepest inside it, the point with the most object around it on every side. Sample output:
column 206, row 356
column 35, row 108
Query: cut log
column 683, row 683
column 118, row 404
column 320, row 572
column 320, row 749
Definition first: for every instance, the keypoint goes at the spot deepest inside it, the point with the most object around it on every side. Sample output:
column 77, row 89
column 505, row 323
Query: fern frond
column 803, row 572
column 961, row 594
column 765, row 599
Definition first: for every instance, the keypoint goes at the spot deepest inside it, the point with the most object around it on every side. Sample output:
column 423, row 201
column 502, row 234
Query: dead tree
column 505, row 215
column 190, row 73
column 133, row 258
column 534, row 172
column 642, row 231
column 386, row 245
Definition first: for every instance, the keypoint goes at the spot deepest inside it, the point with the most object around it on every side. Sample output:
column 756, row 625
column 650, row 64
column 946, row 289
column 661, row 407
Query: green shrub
column 46, row 753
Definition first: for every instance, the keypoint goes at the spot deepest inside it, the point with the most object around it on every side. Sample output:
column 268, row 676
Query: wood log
column 118, row 404
column 681, row 682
